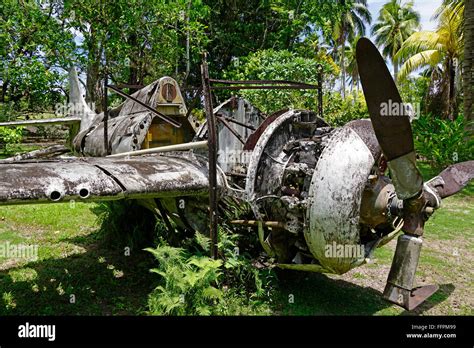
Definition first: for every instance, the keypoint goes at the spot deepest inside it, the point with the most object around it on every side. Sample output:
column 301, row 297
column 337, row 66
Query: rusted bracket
column 262, row 84
column 261, row 87
column 207, row 88
column 149, row 108
column 212, row 146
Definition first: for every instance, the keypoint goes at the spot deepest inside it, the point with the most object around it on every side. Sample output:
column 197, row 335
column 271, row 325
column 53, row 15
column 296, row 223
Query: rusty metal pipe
column 167, row 148
column 212, row 146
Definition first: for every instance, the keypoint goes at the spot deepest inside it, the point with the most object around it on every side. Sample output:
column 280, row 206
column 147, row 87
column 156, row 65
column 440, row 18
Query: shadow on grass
column 317, row 294
column 102, row 281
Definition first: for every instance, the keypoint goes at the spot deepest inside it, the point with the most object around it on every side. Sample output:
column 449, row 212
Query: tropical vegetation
column 135, row 42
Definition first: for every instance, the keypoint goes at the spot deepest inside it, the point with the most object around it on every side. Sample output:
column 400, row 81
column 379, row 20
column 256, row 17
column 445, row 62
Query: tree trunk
column 93, row 68
column 468, row 71
column 343, row 64
column 4, row 91
column 188, row 50
column 353, row 89
column 451, row 95
column 133, row 63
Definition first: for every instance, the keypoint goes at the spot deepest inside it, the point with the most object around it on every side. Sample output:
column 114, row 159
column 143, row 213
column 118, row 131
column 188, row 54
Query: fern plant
column 188, row 283
column 191, row 283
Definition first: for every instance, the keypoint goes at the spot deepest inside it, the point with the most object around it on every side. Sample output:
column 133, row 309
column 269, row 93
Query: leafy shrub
column 443, row 142
column 281, row 65
column 191, row 283
column 10, row 135
column 338, row 111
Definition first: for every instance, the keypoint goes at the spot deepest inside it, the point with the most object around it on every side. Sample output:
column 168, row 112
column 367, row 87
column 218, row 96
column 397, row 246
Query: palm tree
column 352, row 22
column 352, row 68
column 441, row 50
column 468, row 68
column 395, row 24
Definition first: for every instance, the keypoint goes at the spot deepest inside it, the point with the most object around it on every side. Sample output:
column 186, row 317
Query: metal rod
column 275, row 224
column 167, row 148
column 320, row 91
column 125, row 85
column 232, row 130
column 256, row 82
column 212, row 146
column 230, row 119
column 263, row 87
column 159, row 114
column 164, row 216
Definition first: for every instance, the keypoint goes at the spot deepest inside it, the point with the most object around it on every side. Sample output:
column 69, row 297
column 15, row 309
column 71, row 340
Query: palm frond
column 429, row 57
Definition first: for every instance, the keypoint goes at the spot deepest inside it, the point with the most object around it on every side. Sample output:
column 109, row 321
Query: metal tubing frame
column 212, row 147
column 207, row 89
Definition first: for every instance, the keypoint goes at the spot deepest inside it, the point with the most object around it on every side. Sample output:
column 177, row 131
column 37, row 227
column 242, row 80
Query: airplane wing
column 101, row 179
column 42, row 122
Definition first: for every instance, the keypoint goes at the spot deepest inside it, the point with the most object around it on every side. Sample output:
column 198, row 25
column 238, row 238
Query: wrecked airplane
column 309, row 185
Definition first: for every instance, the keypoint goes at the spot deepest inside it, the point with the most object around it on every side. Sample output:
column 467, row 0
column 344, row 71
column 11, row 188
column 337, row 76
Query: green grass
column 73, row 260
column 71, row 264
column 13, row 149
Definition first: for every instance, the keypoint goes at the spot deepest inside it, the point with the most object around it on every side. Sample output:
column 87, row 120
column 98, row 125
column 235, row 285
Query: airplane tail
column 78, row 110
column 79, row 106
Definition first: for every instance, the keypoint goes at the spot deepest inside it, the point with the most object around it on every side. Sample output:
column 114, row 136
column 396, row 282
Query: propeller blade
column 454, row 178
column 391, row 123
column 390, row 119
column 381, row 94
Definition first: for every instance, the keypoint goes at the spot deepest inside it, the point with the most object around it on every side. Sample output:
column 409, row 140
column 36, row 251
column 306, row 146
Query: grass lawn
column 72, row 265
column 75, row 273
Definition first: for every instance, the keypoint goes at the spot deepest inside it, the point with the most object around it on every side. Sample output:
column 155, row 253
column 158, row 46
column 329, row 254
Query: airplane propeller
column 391, row 122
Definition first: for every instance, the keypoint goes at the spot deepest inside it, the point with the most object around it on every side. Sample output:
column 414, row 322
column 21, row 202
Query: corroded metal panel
column 129, row 124
column 125, row 133
column 57, row 180
column 164, row 91
column 230, row 147
column 94, row 179
column 335, row 197
column 170, row 175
